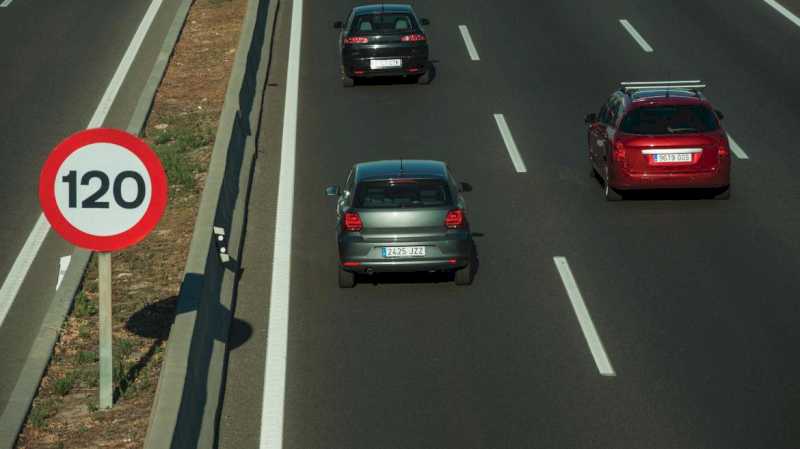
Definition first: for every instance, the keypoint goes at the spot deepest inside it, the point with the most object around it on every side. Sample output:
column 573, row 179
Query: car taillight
column 619, row 152
column 723, row 150
column 454, row 219
column 356, row 40
column 352, row 222
column 413, row 38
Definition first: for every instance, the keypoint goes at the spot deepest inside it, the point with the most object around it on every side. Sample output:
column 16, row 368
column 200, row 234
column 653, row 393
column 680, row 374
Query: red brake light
column 413, row 38
column 619, row 152
column 352, row 222
column 723, row 150
column 356, row 40
column 454, row 219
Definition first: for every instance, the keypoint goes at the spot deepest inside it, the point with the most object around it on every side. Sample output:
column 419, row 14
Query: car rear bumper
column 622, row 180
column 360, row 256
column 360, row 67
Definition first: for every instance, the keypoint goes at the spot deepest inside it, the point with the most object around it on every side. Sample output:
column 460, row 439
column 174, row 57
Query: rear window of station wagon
column 383, row 23
column 678, row 119
column 402, row 193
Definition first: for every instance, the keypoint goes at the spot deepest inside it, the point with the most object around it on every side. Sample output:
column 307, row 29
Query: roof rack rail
column 695, row 85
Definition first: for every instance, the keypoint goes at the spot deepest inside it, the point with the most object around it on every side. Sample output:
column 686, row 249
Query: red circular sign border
column 158, row 197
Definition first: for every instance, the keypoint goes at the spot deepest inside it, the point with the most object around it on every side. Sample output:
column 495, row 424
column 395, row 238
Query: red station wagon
column 659, row 135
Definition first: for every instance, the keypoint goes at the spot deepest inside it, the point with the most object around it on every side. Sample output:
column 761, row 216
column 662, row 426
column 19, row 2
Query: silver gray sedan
column 402, row 215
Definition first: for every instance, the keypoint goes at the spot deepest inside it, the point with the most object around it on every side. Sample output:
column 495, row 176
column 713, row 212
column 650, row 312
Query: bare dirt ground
column 146, row 277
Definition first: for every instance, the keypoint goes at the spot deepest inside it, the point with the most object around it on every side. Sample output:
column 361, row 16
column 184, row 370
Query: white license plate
column 673, row 157
column 377, row 64
column 404, row 251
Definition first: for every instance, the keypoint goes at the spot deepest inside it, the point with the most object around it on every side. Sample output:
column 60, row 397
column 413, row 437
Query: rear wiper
column 681, row 130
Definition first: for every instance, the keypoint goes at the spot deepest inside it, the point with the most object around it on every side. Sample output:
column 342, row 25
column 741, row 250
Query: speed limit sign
column 103, row 189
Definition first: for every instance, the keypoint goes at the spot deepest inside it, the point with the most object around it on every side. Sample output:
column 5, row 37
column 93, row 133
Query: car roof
column 400, row 168
column 379, row 8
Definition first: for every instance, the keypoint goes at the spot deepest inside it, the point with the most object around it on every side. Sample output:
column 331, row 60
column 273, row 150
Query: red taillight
column 351, row 264
column 355, row 40
column 454, row 219
column 723, row 150
column 619, row 152
column 413, row 38
column 352, row 222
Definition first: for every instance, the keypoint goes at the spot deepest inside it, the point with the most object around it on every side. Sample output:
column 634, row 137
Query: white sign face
column 102, row 189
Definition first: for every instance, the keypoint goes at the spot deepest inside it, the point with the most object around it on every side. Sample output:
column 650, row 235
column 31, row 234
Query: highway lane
column 58, row 61
column 691, row 298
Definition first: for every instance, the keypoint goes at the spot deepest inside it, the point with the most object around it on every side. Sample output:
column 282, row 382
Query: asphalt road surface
column 693, row 302
column 57, row 60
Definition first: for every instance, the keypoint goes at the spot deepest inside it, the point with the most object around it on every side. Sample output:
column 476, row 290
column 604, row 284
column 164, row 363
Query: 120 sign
column 93, row 200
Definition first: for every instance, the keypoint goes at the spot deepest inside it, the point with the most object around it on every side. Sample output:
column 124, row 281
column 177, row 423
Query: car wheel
column 348, row 82
column 609, row 193
column 425, row 78
column 347, row 279
column 465, row 275
column 723, row 193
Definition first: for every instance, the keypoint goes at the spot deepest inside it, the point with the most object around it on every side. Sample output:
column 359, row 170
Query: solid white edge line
column 737, row 150
column 473, row 52
column 584, row 319
column 785, row 12
column 272, row 407
column 511, row 146
column 5, row 3
column 22, row 264
column 636, row 36
column 63, row 265
column 124, row 66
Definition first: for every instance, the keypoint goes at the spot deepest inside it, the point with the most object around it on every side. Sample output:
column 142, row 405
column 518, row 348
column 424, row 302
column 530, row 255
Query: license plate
column 404, row 251
column 672, row 157
column 377, row 64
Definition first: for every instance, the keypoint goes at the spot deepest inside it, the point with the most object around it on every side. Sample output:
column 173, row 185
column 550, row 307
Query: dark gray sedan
column 402, row 215
column 383, row 40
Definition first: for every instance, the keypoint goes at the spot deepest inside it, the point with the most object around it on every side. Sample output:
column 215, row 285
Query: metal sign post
column 103, row 190
column 106, row 339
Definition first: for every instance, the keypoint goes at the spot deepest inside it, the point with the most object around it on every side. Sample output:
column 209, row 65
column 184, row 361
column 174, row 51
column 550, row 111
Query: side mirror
column 332, row 190
column 424, row 22
column 590, row 118
column 337, row 24
column 465, row 187
column 719, row 113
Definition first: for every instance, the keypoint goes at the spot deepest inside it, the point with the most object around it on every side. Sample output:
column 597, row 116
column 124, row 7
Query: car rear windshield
column 678, row 119
column 402, row 193
column 383, row 23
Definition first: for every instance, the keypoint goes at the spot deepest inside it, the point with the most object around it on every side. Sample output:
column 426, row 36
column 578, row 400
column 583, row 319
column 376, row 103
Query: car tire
column 723, row 193
column 425, row 78
column 348, row 82
column 610, row 193
column 465, row 275
column 347, row 279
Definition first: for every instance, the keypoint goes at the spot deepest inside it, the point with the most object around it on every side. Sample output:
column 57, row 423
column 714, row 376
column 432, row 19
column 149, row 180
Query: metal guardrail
column 186, row 406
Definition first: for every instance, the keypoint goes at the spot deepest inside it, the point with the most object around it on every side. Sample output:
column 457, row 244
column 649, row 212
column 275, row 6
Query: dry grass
column 146, row 277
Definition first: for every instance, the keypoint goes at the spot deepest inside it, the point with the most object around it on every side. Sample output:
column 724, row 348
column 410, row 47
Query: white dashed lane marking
column 584, row 319
column 785, row 12
column 473, row 52
column 511, row 146
column 736, row 149
column 636, row 36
